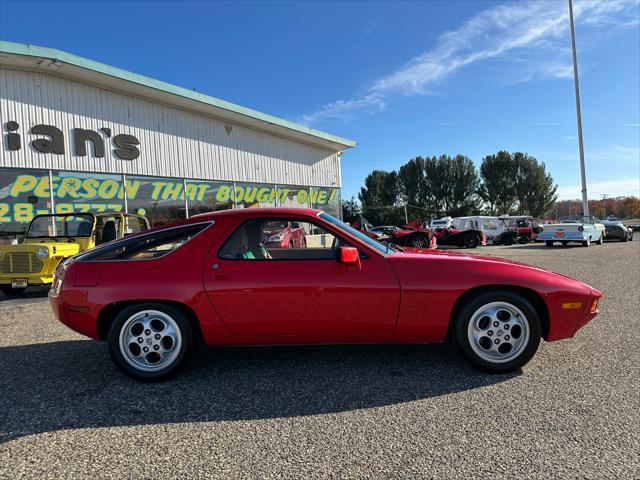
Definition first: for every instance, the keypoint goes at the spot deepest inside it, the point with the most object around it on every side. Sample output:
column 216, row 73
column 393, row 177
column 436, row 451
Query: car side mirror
column 350, row 257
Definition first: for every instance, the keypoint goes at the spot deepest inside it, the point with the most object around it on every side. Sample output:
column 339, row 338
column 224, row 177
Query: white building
column 108, row 140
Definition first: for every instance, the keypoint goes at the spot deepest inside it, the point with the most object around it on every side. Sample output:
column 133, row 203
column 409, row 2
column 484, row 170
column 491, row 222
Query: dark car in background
column 618, row 231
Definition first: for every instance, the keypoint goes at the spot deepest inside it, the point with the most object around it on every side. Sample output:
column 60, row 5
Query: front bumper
column 566, row 319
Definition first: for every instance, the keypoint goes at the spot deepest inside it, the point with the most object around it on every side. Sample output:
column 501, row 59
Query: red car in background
column 211, row 279
column 280, row 234
column 410, row 237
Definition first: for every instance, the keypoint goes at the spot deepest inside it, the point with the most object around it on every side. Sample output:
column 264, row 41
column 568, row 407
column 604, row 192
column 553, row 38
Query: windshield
column 356, row 233
column 439, row 222
column 61, row 226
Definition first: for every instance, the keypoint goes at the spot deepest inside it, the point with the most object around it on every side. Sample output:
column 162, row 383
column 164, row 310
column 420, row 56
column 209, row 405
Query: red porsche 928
column 216, row 279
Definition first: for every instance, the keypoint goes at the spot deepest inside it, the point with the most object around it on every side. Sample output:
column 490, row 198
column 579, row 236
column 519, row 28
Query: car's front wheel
column 497, row 331
column 149, row 341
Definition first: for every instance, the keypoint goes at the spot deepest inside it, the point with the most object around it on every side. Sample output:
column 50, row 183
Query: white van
column 441, row 222
column 490, row 226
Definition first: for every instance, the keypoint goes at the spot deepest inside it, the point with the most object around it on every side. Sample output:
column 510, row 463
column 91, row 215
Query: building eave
column 57, row 62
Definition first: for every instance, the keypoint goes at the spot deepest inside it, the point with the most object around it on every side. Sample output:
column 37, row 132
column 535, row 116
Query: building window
column 23, row 194
column 87, row 192
column 249, row 195
column 291, row 196
column 204, row 196
column 327, row 199
column 161, row 200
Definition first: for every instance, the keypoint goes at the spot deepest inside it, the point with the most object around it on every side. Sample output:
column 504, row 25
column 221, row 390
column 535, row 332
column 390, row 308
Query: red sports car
column 212, row 279
column 283, row 235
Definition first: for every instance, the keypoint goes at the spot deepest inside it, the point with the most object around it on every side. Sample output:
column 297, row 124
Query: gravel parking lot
column 336, row 412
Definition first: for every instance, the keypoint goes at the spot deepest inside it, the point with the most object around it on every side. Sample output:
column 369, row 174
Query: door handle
column 217, row 273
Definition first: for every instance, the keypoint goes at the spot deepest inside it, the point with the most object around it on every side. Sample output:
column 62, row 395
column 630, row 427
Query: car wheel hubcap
column 150, row 340
column 498, row 332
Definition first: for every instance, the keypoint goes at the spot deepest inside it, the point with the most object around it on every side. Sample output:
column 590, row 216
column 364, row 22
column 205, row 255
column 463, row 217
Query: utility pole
column 585, row 203
column 604, row 204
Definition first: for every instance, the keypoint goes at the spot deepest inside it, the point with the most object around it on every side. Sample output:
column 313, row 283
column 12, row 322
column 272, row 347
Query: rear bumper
column 77, row 316
column 32, row 279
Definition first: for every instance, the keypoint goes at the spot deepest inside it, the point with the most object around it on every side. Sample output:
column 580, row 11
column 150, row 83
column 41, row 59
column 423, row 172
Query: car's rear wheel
column 507, row 240
column 600, row 240
column 548, row 243
column 9, row 290
column 498, row 331
column 587, row 242
column 471, row 240
column 149, row 341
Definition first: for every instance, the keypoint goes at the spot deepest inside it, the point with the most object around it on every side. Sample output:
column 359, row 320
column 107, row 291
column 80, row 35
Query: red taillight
column 594, row 306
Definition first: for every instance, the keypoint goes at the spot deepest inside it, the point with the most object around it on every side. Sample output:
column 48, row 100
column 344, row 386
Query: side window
column 134, row 225
column 144, row 247
column 280, row 239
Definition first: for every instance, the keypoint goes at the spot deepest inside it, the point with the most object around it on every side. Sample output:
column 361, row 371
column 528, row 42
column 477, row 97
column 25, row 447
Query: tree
column 534, row 188
column 498, row 189
column 350, row 210
column 413, row 188
column 630, row 207
column 464, row 183
column 379, row 198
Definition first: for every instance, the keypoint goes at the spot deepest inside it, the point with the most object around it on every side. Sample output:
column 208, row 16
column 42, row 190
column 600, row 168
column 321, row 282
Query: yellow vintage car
column 53, row 238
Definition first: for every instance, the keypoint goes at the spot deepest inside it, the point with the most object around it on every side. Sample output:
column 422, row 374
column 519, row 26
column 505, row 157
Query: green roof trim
column 71, row 59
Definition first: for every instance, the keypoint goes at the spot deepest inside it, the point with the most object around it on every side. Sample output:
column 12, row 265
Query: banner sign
column 29, row 194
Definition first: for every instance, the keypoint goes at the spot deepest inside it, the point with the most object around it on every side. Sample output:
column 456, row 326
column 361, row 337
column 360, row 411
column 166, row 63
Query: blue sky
column 402, row 79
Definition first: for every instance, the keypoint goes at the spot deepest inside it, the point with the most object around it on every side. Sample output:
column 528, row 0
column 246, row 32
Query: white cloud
column 613, row 188
column 533, row 33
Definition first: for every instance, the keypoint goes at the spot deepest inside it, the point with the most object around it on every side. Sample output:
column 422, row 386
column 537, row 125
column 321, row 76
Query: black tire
column 419, row 240
column 507, row 240
column 523, row 240
column 625, row 239
column 186, row 346
column 548, row 243
column 9, row 290
column 471, row 240
column 587, row 243
column 464, row 316
column 600, row 240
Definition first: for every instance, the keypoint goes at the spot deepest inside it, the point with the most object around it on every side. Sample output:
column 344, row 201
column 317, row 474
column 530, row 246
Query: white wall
column 173, row 143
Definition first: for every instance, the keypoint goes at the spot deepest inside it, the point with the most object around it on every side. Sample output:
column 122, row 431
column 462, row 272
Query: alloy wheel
column 498, row 332
column 150, row 340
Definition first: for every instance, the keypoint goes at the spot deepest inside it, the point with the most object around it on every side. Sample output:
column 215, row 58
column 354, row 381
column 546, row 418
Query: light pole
column 604, row 204
column 404, row 201
column 585, row 203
